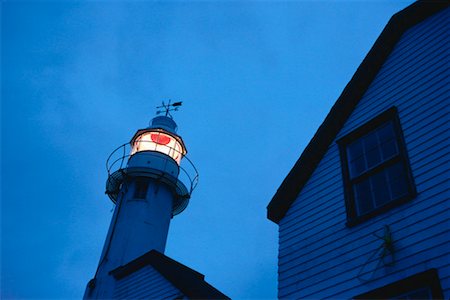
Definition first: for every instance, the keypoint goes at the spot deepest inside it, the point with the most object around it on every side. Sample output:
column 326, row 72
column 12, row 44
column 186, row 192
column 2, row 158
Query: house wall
column 146, row 283
column 319, row 256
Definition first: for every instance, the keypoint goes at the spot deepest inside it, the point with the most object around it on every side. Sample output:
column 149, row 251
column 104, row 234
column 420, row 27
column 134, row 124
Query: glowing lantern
column 160, row 142
column 160, row 137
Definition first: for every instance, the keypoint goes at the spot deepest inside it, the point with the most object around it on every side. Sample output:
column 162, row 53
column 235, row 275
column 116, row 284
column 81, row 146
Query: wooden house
column 364, row 212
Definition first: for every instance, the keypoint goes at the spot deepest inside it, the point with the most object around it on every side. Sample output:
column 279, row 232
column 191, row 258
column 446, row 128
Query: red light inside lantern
column 160, row 139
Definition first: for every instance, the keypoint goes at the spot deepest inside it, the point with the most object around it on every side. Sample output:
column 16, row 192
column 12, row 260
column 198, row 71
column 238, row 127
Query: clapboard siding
column 404, row 58
column 419, row 90
column 146, row 283
column 401, row 63
column 320, row 186
column 319, row 256
column 417, row 61
column 311, row 208
column 445, row 282
column 321, row 246
column 350, row 257
column 310, row 221
column 321, row 202
column 324, row 235
column 407, row 82
column 355, row 289
column 381, row 279
column 341, row 275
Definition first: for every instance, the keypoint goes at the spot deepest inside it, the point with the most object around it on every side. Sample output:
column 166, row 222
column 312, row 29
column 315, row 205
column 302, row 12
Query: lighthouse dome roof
column 165, row 123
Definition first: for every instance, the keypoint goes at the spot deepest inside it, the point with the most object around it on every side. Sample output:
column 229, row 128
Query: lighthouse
column 150, row 180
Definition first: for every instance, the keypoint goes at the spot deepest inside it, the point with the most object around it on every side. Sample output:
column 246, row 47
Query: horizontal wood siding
column 319, row 256
column 146, row 283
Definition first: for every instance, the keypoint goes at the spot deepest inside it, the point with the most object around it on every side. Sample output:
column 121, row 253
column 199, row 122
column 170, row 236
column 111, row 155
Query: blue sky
column 79, row 78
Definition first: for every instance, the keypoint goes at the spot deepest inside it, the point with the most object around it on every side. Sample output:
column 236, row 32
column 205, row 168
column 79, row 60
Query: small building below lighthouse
column 150, row 180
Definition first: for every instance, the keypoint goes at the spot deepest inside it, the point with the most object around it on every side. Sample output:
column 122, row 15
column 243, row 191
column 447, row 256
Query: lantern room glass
column 160, row 142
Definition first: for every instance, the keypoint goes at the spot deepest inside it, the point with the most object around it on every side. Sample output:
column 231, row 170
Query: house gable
column 319, row 255
column 146, row 282
column 346, row 103
column 157, row 276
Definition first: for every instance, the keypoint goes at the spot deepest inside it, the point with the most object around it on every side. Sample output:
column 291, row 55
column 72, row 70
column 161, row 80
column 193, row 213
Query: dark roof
column 190, row 282
column 347, row 101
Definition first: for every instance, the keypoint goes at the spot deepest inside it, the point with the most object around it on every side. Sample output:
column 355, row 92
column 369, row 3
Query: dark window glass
column 376, row 171
column 363, row 197
column 388, row 142
column 380, row 188
column 372, row 150
column 397, row 179
column 383, row 185
column 356, row 158
column 140, row 191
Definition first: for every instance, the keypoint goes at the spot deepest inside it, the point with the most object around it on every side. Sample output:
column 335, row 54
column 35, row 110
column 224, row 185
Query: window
column 375, row 168
column 423, row 285
column 140, row 189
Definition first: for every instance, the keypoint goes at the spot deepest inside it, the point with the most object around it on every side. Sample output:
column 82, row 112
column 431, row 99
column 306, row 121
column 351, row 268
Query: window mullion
column 376, row 169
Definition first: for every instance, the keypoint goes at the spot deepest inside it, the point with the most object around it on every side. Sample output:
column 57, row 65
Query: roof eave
column 190, row 282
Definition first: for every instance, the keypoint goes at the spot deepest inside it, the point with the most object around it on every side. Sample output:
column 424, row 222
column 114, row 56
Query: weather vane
column 167, row 108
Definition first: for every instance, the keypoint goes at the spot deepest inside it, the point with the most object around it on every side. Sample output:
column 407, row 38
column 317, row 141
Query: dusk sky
column 78, row 79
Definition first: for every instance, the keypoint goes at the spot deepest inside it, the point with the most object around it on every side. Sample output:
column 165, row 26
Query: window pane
column 389, row 149
column 371, row 150
column 357, row 167
column 386, row 132
column 388, row 140
column 397, row 180
column 373, row 157
column 363, row 197
column 355, row 150
column 380, row 188
column 356, row 161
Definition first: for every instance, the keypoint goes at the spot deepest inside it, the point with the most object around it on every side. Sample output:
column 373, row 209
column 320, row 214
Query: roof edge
column 190, row 282
column 347, row 101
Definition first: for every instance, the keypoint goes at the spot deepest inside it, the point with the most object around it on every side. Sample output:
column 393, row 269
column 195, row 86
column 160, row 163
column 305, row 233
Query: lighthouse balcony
column 157, row 163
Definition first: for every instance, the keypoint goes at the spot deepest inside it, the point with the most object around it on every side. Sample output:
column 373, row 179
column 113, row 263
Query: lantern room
column 160, row 137
column 155, row 152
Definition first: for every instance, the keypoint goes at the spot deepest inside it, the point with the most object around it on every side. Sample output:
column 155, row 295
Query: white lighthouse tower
column 150, row 180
